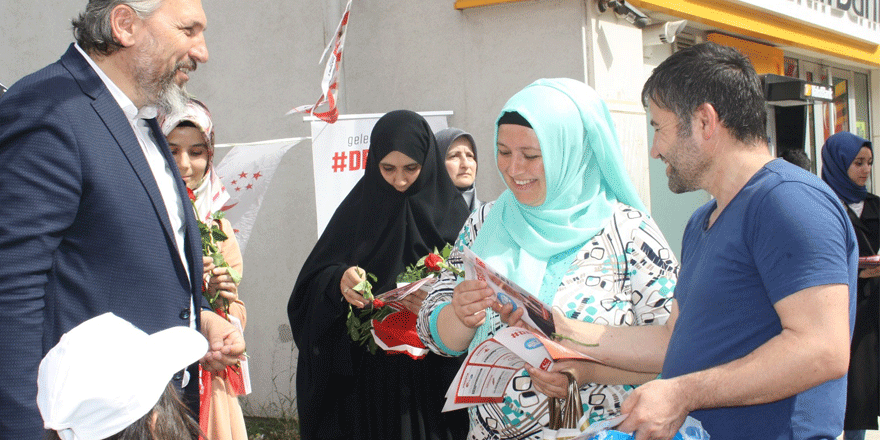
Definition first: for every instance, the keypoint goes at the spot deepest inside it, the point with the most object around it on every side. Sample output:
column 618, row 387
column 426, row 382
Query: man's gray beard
column 172, row 99
column 160, row 91
column 164, row 93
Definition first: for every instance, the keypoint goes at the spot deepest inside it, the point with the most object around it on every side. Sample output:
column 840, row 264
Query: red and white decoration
column 330, row 81
column 397, row 333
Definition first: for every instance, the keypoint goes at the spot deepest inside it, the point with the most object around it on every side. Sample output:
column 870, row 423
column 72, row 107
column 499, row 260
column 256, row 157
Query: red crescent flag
column 246, row 171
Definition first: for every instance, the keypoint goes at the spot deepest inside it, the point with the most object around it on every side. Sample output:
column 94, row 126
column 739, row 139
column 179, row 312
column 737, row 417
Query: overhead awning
column 753, row 22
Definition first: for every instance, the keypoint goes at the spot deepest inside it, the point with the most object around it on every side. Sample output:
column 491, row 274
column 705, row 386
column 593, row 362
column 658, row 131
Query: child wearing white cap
column 107, row 379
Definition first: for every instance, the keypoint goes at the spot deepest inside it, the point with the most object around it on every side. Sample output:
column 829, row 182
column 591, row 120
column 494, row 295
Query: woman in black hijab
column 403, row 207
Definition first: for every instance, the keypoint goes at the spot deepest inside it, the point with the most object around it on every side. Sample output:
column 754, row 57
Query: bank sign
column 856, row 19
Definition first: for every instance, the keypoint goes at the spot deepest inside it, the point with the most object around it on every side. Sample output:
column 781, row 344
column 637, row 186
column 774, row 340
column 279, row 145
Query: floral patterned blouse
column 623, row 276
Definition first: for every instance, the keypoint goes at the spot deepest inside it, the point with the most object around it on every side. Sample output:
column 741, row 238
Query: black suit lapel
column 117, row 124
column 122, row 131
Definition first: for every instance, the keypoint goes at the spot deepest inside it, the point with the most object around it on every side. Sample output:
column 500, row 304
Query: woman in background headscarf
column 461, row 162
column 846, row 165
column 571, row 230
column 190, row 135
column 403, row 208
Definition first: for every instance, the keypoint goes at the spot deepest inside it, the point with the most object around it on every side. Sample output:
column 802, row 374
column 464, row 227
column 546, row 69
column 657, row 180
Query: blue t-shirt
column 783, row 232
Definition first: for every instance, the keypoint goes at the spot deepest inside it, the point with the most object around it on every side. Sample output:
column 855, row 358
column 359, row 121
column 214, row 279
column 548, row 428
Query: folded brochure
column 488, row 369
column 402, row 291
column 537, row 314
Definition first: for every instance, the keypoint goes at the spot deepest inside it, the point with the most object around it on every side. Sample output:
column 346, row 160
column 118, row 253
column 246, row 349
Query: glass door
column 851, row 105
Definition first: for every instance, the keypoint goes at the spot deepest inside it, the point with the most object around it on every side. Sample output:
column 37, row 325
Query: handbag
column 566, row 413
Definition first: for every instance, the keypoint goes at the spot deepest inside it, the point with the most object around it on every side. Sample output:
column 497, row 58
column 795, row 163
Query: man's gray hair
column 92, row 29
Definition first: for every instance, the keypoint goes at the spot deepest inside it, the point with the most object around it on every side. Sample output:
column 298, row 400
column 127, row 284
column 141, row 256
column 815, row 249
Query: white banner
column 246, row 171
column 339, row 156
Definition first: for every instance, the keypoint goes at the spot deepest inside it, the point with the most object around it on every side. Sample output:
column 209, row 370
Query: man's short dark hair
column 798, row 157
column 714, row 74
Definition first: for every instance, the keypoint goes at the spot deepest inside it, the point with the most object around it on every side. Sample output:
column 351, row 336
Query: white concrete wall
column 419, row 55
column 614, row 60
column 429, row 56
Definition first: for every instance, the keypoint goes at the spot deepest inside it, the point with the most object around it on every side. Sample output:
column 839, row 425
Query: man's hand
column 655, row 410
column 225, row 342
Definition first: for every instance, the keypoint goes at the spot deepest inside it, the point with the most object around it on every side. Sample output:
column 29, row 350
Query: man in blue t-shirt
column 761, row 327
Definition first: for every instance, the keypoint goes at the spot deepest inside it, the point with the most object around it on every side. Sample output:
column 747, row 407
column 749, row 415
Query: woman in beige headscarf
column 190, row 135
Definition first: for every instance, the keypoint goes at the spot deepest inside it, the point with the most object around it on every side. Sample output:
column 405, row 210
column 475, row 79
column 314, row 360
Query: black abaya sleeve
column 315, row 304
column 325, row 367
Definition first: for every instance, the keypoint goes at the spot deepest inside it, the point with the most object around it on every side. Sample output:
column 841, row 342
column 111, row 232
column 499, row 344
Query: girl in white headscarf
column 190, row 135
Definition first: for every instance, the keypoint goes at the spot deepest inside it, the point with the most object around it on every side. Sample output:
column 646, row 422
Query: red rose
column 192, row 195
column 431, row 262
column 378, row 304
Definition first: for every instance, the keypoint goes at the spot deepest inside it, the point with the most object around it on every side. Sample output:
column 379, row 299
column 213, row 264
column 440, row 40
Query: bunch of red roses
column 431, row 263
column 360, row 321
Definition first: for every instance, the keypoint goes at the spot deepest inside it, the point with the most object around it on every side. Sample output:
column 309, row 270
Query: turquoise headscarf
column 585, row 176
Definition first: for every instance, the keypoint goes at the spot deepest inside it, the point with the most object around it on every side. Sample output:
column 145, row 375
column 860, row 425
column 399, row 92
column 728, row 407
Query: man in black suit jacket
column 94, row 216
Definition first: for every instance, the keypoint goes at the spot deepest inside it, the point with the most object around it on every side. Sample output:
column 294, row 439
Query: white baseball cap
column 105, row 374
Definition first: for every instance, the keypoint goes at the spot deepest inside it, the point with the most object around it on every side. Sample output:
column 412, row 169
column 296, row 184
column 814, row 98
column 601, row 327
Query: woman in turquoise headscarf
column 572, row 230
